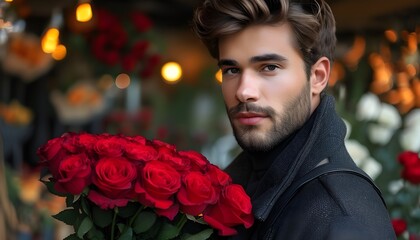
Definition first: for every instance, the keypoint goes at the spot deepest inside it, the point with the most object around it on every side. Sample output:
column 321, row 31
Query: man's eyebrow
column 267, row 57
column 254, row 59
column 227, row 62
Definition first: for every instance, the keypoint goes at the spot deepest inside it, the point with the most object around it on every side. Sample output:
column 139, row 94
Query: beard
column 254, row 139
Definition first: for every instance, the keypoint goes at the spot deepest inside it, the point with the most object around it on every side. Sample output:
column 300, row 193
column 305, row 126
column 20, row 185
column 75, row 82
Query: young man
column 275, row 56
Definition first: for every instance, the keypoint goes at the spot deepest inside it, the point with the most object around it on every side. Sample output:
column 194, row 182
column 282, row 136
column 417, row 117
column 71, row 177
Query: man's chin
column 253, row 143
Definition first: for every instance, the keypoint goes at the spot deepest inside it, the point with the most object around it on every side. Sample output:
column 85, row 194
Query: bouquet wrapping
column 130, row 187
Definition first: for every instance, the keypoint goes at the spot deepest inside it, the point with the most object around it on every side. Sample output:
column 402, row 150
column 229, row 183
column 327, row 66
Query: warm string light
column 84, row 12
column 50, row 40
column 397, row 81
column 171, row 72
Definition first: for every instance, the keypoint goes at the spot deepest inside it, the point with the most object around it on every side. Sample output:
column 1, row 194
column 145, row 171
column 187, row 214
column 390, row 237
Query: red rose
column 181, row 164
column 218, row 177
column 86, row 141
column 196, row 193
column 411, row 173
column 109, row 146
column 198, row 161
column 51, row 155
column 152, row 62
column 104, row 202
column 139, row 152
column 157, row 185
column 129, row 62
column 163, row 146
column 413, row 236
column 139, row 48
column 234, row 208
column 141, row 21
column 408, row 158
column 114, row 177
column 399, row 225
column 74, row 174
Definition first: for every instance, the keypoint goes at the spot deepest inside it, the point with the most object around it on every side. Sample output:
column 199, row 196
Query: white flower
column 368, row 107
column 395, row 186
column 361, row 156
column 412, row 119
column 379, row 134
column 410, row 139
column 357, row 151
column 389, row 116
column 372, row 167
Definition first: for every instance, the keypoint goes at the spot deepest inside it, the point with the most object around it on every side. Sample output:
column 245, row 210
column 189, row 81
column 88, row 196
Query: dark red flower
column 141, row 21
column 399, row 225
column 196, row 193
column 408, row 158
column 233, row 208
column 412, row 173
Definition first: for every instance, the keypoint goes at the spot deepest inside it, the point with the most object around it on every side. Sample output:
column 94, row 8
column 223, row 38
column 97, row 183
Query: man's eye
column 230, row 71
column 270, row 68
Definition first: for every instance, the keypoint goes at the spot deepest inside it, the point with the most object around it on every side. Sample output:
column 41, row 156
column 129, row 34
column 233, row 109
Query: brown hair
column 312, row 21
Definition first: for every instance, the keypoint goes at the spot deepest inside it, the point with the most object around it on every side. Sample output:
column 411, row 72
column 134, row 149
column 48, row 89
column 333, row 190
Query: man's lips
column 250, row 118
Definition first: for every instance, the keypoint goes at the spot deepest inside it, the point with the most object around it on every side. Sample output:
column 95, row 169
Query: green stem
column 181, row 222
column 135, row 215
column 114, row 218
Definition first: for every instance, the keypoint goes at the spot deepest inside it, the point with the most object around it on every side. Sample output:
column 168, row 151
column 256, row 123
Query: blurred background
column 135, row 67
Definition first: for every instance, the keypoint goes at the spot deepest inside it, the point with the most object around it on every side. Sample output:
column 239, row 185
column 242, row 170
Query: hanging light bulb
column 60, row 52
column 171, row 72
column 84, row 12
column 50, row 40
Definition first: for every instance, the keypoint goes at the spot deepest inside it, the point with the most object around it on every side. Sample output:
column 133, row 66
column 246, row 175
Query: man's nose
column 248, row 88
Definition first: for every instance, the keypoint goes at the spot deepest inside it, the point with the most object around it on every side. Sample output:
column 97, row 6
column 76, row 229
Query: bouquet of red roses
column 123, row 187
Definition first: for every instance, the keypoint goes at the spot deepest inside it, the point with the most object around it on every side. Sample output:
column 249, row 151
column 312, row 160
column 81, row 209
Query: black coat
column 313, row 190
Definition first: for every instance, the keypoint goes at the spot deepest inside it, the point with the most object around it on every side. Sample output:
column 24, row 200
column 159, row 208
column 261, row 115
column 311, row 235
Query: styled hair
column 312, row 23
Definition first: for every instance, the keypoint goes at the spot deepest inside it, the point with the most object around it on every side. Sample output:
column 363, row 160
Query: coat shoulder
column 334, row 206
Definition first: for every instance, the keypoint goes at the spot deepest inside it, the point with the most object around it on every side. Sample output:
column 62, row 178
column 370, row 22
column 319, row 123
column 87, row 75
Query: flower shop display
column 124, row 43
column 82, row 102
column 130, row 187
column 25, row 58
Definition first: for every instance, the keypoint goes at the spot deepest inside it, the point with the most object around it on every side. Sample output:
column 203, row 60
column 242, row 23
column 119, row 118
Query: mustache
column 250, row 107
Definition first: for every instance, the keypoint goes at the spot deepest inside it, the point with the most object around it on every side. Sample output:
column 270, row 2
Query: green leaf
column 128, row 210
column 203, row 235
column 50, row 186
column 199, row 220
column 121, row 227
column 168, row 231
column 101, row 218
column 69, row 200
column 85, row 205
column 68, row 216
column 95, row 234
column 84, row 227
column 72, row 237
column 144, row 221
column 127, row 235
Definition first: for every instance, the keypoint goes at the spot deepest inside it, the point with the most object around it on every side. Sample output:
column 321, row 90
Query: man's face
column 265, row 87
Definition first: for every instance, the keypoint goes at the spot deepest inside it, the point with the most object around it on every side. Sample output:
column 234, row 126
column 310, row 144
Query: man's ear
column 320, row 74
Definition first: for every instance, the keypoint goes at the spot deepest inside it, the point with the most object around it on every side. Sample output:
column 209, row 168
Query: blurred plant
column 15, row 113
column 124, row 43
column 377, row 142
